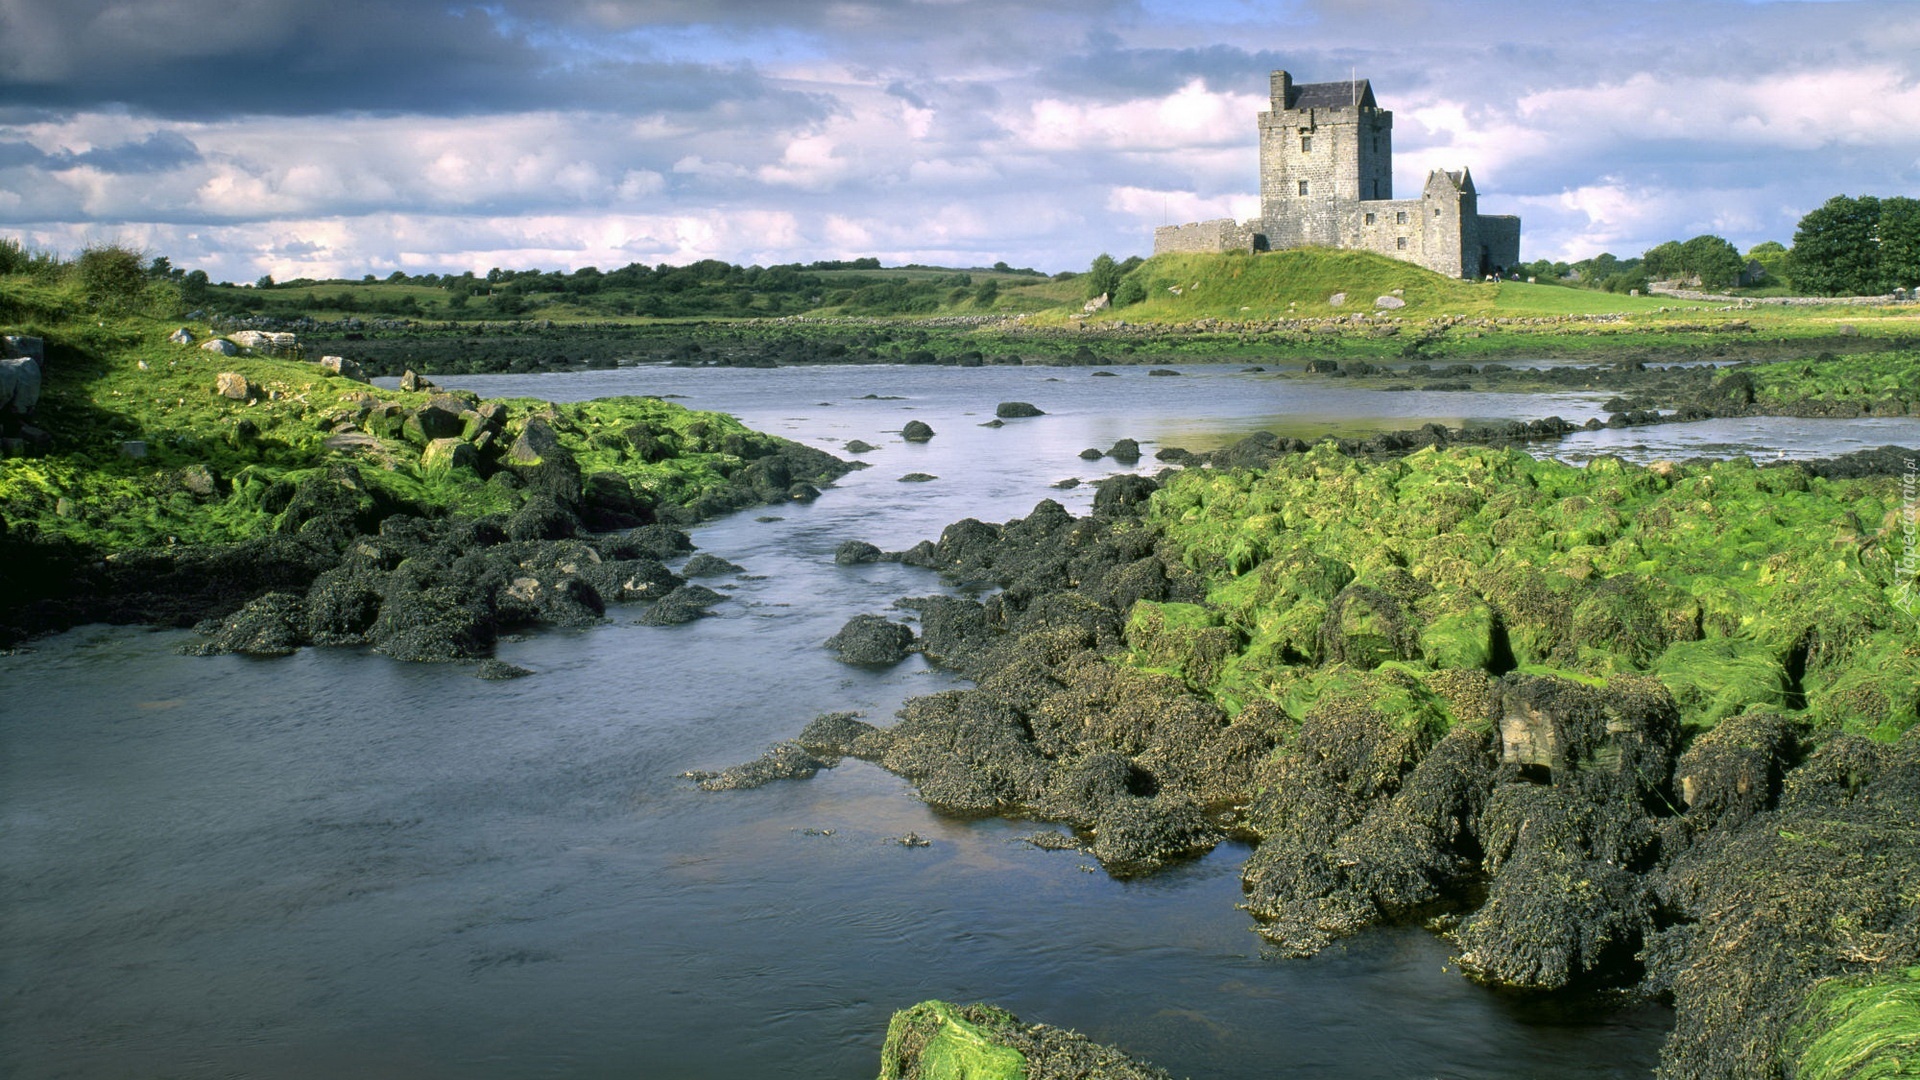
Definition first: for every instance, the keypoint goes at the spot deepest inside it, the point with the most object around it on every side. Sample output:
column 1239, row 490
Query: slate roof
column 1330, row 95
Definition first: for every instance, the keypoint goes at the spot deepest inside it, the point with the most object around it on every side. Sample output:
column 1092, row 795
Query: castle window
column 1369, row 219
column 1400, row 242
column 1436, row 211
column 1303, row 187
column 1399, row 217
column 1306, row 144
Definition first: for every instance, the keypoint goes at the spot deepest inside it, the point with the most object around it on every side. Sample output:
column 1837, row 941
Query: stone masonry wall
column 1220, row 234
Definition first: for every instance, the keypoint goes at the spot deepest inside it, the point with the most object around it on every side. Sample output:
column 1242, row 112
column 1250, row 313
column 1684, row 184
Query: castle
column 1326, row 179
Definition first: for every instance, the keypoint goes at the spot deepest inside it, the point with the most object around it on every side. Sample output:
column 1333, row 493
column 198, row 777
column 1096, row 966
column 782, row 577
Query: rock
column 1389, row 303
column 1338, row 299
column 1092, row 453
column 343, row 367
column 412, row 382
column 500, row 670
column 435, row 623
column 1098, row 303
column 1163, row 372
column 841, row 734
column 182, row 336
column 1012, row 410
column 627, row 580
column 221, row 346
column 996, row 422
column 441, row 455
column 871, row 639
column 235, row 387
column 682, row 605
column 916, row 431
column 935, row 1040
column 857, row 446
column 855, row 552
column 19, row 385
column 704, row 565
column 1068, row 484
column 250, row 339
column 430, row 422
column 782, row 761
column 917, row 478
column 268, row 626
column 1125, row 451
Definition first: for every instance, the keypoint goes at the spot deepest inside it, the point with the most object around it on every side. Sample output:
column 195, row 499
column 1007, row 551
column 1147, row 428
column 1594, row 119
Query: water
column 334, row 863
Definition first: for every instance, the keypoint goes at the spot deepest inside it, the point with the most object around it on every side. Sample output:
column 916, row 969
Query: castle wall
column 1326, row 180
column 1501, row 234
column 1220, row 234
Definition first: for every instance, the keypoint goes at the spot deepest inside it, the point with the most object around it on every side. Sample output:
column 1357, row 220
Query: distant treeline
column 707, row 288
column 1865, row 246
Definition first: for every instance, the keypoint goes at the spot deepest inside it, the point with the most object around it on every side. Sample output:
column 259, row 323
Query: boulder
column 343, row 367
column 871, row 639
column 447, row 454
column 682, row 605
column 1389, row 303
column 431, row 422
column 704, row 565
column 1125, row 451
column 1012, row 410
column 413, row 383
column 854, row 552
column 235, row 387
column 916, row 431
column 1337, row 299
column 858, row 446
column 19, row 385
column 182, row 336
column 221, row 346
column 268, row 626
column 250, row 339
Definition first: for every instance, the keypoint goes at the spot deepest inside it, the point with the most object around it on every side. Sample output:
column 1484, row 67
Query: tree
column 1103, row 278
column 1835, row 252
column 1900, row 243
column 986, row 293
column 1666, row 262
column 264, row 281
column 1713, row 260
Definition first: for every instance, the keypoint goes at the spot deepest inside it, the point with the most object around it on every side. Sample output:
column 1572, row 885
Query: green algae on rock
column 935, row 1040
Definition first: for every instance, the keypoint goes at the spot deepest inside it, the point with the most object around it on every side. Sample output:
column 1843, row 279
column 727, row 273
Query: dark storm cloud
column 211, row 58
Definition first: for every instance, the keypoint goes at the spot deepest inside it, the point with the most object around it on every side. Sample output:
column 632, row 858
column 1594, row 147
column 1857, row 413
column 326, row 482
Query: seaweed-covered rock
column 916, row 431
column 1013, row 410
column 434, row 623
column 871, row 639
column 935, row 1040
column 270, row 625
column 704, row 565
column 1818, row 888
column 832, row 736
column 856, row 552
column 782, row 761
column 342, row 606
column 682, row 605
column 500, row 671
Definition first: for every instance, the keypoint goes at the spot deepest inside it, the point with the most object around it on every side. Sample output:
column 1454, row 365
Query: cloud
column 304, row 139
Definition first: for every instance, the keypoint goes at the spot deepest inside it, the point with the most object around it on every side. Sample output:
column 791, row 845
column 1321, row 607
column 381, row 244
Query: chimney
column 1282, row 91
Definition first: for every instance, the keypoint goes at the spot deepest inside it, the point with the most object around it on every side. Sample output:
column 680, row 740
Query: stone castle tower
column 1326, row 180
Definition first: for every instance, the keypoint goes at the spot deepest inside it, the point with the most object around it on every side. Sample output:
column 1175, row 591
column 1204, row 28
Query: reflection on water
column 334, row 864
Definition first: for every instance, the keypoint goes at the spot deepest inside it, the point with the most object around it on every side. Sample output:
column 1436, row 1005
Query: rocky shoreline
column 1589, row 775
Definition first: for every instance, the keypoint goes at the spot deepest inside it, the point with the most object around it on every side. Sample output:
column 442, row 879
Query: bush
column 112, row 277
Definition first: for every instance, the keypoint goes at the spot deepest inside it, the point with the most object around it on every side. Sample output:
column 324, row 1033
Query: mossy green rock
column 1861, row 1029
column 937, row 1041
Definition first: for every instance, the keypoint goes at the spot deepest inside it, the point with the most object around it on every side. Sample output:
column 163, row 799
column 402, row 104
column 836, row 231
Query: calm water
column 335, row 864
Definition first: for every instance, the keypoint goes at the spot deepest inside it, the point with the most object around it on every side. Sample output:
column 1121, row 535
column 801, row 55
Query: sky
column 339, row 138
